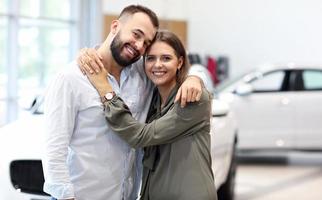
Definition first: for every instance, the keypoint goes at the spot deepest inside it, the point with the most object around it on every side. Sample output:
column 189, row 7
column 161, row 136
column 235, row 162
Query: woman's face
column 161, row 65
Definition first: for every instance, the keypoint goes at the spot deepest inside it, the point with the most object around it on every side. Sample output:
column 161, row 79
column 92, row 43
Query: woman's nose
column 158, row 62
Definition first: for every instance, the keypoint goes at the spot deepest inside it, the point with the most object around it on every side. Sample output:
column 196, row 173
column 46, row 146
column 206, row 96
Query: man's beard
column 116, row 48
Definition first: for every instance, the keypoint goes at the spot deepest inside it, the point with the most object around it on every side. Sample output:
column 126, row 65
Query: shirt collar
column 169, row 102
column 124, row 74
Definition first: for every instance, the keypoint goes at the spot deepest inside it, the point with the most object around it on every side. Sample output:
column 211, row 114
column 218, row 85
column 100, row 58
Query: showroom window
column 3, row 77
column 37, row 39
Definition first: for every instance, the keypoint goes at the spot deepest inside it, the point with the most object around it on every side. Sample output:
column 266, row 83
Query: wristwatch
column 108, row 96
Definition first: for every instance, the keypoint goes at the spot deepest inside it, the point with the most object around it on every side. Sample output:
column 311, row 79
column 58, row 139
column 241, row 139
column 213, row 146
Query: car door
column 266, row 116
column 308, row 126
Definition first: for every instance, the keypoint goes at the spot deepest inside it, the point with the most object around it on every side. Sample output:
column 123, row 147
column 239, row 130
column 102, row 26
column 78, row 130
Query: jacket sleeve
column 176, row 123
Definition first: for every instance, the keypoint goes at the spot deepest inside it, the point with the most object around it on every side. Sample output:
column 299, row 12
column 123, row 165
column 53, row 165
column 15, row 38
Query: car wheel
column 226, row 191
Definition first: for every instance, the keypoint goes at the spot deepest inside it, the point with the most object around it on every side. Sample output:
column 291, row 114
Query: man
column 84, row 158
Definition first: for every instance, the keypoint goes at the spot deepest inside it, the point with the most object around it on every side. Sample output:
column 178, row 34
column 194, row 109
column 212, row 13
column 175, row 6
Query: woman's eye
column 166, row 58
column 149, row 58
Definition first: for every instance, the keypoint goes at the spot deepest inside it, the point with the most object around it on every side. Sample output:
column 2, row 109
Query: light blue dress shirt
column 84, row 158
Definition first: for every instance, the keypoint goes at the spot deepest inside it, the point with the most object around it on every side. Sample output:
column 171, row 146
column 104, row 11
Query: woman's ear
column 180, row 63
column 115, row 26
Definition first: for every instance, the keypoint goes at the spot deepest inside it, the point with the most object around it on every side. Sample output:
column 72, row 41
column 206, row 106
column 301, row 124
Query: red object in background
column 212, row 68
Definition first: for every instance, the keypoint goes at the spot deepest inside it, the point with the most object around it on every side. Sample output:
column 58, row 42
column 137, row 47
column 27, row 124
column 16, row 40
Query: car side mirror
column 244, row 89
column 219, row 108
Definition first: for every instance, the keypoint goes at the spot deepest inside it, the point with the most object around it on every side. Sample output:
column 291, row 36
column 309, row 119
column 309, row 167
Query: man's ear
column 115, row 26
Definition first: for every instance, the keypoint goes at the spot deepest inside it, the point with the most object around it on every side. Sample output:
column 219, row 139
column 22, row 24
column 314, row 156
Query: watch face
column 109, row 96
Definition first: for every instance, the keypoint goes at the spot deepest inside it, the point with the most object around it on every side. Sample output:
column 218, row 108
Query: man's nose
column 140, row 46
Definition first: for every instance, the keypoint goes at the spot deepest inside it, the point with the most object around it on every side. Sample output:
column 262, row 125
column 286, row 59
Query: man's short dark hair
column 132, row 9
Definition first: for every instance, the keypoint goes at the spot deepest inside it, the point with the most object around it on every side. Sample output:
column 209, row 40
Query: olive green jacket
column 176, row 141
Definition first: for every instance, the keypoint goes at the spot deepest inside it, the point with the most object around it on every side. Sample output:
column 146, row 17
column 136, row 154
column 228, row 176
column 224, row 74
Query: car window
column 268, row 82
column 312, row 79
column 37, row 106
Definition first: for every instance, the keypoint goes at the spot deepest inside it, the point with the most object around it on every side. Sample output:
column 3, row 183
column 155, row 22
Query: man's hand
column 89, row 61
column 189, row 91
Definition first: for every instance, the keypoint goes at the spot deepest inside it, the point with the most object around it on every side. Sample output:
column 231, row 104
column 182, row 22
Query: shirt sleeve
column 176, row 123
column 203, row 73
column 60, row 113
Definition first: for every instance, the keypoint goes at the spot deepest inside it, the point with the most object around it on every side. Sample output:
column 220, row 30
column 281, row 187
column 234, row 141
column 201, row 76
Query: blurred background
column 37, row 37
column 229, row 38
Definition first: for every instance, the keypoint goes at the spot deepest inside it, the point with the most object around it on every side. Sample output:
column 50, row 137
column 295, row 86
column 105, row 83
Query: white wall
column 250, row 32
column 165, row 9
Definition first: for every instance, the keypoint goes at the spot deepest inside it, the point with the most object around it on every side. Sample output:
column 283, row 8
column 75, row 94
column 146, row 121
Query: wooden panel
column 177, row 26
column 107, row 24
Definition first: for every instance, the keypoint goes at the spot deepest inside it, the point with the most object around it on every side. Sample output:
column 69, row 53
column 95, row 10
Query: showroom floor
column 296, row 178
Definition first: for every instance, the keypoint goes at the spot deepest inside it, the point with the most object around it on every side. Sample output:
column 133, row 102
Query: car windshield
column 227, row 83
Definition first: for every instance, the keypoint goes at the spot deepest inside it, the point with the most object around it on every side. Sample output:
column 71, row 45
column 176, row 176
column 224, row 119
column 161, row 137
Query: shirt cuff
column 197, row 74
column 59, row 191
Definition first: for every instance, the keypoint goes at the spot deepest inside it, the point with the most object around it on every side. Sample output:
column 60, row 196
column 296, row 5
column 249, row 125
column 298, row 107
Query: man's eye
column 145, row 44
column 136, row 35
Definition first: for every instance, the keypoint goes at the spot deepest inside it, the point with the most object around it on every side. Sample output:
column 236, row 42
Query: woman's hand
column 89, row 61
column 190, row 90
column 100, row 81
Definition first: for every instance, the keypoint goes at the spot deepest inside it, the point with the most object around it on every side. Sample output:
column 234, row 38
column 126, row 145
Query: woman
column 176, row 141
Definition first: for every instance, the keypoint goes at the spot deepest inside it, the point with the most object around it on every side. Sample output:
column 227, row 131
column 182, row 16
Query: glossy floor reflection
column 295, row 177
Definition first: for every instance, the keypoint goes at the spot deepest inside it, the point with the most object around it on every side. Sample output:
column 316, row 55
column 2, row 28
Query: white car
column 277, row 107
column 21, row 144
